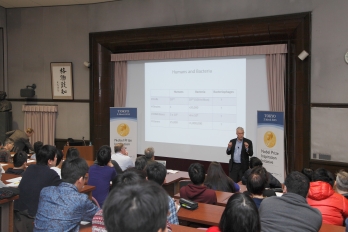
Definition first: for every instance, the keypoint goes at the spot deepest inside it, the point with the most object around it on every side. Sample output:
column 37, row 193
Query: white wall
column 38, row 36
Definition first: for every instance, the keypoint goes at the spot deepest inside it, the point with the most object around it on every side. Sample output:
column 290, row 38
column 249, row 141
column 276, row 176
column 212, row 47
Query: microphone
column 84, row 142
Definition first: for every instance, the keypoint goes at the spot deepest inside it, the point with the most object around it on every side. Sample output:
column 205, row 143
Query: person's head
column 139, row 207
column 322, row 174
column 129, row 177
column 29, row 132
column 8, row 144
column 197, row 173
column 37, row 146
column 104, row 155
column 215, row 170
column 217, row 179
column 74, row 172
column 332, row 178
column 120, row 148
column 59, row 156
column 240, row 215
column 297, row 183
column 308, row 173
column 342, row 181
column 47, row 156
column 140, row 163
column 72, row 153
column 254, row 161
column 156, row 172
column 256, row 182
column 240, row 133
column 149, row 153
column 20, row 159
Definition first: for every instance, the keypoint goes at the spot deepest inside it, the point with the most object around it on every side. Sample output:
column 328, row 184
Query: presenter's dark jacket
column 244, row 154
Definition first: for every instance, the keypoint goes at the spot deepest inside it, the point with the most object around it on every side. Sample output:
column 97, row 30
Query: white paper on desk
column 14, row 184
column 13, row 180
column 30, row 161
column 172, row 171
column 84, row 223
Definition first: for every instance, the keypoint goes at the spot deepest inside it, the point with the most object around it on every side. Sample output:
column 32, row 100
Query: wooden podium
column 86, row 152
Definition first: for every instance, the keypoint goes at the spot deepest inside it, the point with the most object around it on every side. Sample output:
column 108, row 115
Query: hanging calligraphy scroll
column 62, row 81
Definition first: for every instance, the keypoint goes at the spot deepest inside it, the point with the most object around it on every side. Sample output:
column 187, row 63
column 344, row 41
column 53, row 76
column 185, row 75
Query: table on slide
column 190, row 108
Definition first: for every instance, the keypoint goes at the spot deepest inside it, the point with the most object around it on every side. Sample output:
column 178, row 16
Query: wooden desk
column 206, row 214
column 87, row 189
column 222, row 197
column 86, row 152
column 331, row 228
column 7, row 213
column 171, row 183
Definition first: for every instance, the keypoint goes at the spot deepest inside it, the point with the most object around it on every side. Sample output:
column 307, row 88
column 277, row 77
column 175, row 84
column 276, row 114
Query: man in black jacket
column 240, row 149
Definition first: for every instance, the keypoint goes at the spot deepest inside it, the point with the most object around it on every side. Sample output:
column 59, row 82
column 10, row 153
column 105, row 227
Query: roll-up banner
column 270, row 142
column 124, row 129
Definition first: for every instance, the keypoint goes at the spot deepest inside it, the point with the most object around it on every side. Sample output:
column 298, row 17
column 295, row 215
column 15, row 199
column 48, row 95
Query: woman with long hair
column 218, row 180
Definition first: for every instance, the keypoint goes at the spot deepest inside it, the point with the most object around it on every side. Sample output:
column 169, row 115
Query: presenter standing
column 240, row 149
column 21, row 139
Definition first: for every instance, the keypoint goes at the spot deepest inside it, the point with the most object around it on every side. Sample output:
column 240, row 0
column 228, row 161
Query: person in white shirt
column 55, row 166
column 121, row 157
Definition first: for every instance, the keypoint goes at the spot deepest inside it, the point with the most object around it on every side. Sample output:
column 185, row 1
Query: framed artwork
column 62, row 81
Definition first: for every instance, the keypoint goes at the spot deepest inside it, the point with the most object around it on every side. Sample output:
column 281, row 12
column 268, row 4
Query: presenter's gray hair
column 240, row 128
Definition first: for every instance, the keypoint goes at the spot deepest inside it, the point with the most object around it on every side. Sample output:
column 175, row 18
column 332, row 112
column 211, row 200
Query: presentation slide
column 193, row 100
column 190, row 109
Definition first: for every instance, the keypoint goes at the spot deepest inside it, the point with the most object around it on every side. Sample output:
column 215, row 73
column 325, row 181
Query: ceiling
column 38, row 3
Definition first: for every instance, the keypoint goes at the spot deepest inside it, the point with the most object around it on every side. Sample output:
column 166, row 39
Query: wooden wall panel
column 292, row 29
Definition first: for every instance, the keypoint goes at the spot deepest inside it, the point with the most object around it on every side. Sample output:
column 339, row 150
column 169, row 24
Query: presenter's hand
column 229, row 145
column 246, row 145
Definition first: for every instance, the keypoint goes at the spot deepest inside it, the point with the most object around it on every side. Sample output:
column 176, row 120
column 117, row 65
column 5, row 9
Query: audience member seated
column 240, row 215
column 139, row 207
column 116, row 166
column 63, row 207
column 121, row 157
column 129, row 177
column 19, row 163
column 101, row 174
column 197, row 191
column 157, row 172
column 217, row 179
column 5, row 154
column 341, row 185
column 256, row 185
column 21, row 139
column 37, row 146
column 34, row 179
column 333, row 206
column 140, row 163
column 72, row 153
column 290, row 212
column 59, row 158
column 308, row 172
column 149, row 154
column 272, row 181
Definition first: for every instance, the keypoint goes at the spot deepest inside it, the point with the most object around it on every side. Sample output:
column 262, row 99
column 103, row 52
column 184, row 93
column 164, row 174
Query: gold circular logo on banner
column 269, row 139
column 123, row 129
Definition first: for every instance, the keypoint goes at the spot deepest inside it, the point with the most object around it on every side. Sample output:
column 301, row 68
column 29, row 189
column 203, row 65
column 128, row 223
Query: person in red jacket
column 197, row 191
column 333, row 206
